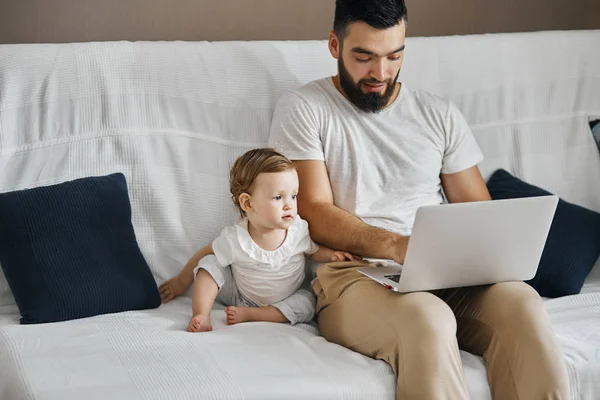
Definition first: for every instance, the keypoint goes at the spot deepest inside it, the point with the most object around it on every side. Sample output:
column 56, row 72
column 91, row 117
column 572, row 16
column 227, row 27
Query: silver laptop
column 469, row 244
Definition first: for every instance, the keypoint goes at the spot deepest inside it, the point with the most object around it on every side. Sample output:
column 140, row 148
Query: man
column 369, row 151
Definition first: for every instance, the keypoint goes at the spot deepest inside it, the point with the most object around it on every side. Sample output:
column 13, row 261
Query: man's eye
column 362, row 60
column 396, row 58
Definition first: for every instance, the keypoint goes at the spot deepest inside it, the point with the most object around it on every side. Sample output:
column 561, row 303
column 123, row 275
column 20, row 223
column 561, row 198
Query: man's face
column 369, row 62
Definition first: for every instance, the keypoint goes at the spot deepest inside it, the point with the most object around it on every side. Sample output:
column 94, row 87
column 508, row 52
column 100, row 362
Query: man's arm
column 336, row 228
column 465, row 186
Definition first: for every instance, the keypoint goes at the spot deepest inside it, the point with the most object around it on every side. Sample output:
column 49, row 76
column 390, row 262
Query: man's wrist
column 398, row 248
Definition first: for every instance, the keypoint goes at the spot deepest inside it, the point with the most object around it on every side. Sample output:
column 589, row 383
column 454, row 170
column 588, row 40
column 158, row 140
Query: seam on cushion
column 126, row 133
column 528, row 120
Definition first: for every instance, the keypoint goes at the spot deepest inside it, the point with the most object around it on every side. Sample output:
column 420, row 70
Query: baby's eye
column 294, row 196
column 278, row 197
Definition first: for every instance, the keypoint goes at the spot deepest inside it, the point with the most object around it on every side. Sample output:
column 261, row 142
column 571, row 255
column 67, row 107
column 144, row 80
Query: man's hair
column 380, row 14
column 249, row 165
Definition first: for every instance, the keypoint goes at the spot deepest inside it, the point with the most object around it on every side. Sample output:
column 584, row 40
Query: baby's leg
column 299, row 307
column 207, row 274
column 235, row 315
column 203, row 297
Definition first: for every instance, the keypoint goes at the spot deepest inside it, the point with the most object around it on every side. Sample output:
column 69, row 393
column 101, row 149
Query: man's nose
column 378, row 70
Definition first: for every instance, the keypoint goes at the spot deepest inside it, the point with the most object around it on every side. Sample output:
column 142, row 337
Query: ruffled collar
column 275, row 257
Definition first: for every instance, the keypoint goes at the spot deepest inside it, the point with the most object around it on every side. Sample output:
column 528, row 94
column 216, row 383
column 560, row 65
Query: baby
column 255, row 267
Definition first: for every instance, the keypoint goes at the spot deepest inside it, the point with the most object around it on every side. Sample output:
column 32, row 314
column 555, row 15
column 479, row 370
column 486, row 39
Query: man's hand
column 343, row 256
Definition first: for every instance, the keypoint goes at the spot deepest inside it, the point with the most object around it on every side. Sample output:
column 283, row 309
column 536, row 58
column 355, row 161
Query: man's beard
column 369, row 102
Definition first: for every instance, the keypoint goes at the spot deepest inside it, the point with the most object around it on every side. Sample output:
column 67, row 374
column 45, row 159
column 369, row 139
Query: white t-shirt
column 262, row 276
column 382, row 166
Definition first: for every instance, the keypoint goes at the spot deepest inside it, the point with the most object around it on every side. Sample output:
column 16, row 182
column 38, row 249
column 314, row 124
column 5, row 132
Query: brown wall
column 23, row 21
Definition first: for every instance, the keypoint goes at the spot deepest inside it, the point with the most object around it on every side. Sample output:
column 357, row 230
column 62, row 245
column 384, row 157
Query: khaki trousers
column 419, row 334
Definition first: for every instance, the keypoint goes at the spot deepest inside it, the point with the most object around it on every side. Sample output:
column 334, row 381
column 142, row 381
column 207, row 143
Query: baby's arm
column 325, row 254
column 178, row 285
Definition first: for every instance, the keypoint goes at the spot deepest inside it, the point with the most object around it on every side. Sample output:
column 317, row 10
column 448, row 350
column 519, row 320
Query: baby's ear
column 245, row 200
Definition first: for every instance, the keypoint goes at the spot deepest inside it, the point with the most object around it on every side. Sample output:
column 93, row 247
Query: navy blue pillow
column 69, row 251
column 573, row 244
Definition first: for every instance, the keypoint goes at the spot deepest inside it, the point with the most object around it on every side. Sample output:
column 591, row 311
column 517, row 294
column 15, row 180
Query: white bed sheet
column 576, row 321
column 148, row 355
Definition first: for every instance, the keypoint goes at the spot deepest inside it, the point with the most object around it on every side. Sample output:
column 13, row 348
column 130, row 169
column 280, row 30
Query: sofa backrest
column 528, row 97
column 172, row 116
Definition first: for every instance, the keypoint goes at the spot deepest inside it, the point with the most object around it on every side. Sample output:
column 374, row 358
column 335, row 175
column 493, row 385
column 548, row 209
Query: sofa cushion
column 69, row 251
column 573, row 243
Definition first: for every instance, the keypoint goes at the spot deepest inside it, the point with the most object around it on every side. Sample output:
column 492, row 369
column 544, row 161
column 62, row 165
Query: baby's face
column 274, row 199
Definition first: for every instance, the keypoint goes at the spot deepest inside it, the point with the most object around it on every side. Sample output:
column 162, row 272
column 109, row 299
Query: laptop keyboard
column 395, row 277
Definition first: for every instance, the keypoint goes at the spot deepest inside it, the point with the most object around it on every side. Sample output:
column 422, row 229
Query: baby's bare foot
column 235, row 315
column 200, row 323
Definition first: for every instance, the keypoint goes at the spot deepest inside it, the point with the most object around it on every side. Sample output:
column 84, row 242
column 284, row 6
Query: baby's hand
column 171, row 289
column 344, row 256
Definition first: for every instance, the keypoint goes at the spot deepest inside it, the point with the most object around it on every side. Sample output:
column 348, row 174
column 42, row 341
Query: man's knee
column 425, row 316
column 515, row 290
column 517, row 302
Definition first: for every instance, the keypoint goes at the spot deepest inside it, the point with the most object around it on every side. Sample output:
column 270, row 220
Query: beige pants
column 419, row 335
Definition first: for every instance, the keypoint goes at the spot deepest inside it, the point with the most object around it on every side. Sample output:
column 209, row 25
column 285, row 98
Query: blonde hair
column 249, row 165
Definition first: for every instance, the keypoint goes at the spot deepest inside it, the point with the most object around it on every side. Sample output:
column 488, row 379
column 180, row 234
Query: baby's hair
column 249, row 165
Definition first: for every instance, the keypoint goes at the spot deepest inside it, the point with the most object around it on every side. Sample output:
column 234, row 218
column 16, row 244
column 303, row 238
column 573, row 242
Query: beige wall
column 24, row 21
column 448, row 17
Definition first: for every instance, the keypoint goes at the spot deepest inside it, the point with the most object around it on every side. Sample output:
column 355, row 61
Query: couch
column 172, row 116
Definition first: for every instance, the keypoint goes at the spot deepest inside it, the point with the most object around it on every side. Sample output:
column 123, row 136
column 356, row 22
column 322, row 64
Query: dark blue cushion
column 69, row 251
column 573, row 244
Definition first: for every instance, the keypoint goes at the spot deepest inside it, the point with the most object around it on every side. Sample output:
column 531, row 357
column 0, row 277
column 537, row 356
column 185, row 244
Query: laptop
column 470, row 244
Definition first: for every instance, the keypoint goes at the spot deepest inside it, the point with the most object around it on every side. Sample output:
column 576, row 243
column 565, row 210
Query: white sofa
column 173, row 115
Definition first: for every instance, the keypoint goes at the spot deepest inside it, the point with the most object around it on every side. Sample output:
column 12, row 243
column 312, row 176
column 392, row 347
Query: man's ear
column 335, row 47
column 245, row 202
